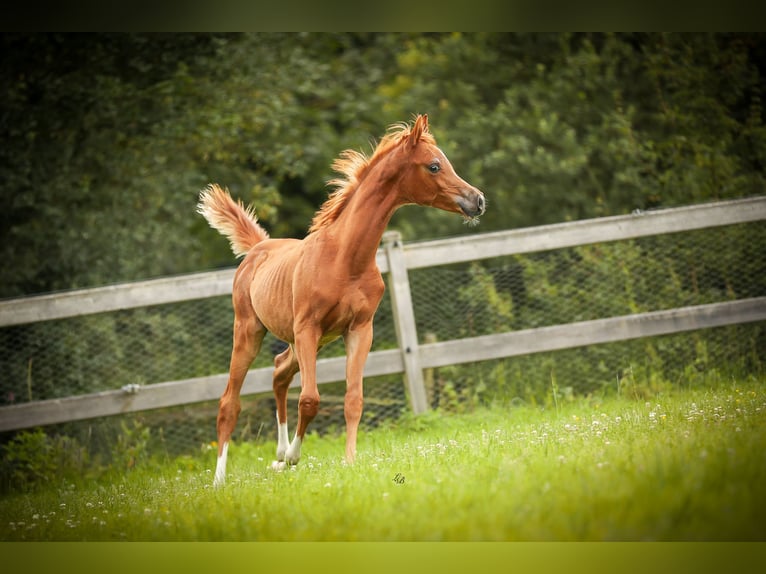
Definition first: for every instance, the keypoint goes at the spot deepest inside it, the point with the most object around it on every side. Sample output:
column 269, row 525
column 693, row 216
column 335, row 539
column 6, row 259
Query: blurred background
column 108, row 138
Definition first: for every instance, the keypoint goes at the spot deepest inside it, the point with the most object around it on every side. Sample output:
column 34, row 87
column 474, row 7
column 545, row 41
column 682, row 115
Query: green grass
column 689, row 465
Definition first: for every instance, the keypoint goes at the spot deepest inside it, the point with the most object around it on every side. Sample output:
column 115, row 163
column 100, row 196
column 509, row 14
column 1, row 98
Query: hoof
column 293, row 454
column 278, row 465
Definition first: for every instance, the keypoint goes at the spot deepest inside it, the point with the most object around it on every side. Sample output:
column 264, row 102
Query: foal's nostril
column 480, row 204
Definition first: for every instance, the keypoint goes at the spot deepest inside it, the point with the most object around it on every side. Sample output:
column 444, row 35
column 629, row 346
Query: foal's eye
column 434, row 168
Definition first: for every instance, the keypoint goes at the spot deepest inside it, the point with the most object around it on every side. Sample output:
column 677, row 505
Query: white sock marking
column 220, row 467
column 282, row 440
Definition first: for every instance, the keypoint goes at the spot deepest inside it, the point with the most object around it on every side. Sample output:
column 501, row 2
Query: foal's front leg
column 358, row 343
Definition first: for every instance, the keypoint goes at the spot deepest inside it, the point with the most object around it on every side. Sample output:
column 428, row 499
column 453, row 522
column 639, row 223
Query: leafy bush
column 33, row 458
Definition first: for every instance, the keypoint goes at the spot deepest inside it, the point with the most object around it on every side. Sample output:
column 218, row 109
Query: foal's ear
column 420, row 127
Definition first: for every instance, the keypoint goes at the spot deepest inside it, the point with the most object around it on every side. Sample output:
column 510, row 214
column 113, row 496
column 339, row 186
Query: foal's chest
column 341, row 303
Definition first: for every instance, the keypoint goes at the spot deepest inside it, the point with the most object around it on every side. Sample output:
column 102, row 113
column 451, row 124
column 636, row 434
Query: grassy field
column 689, row 465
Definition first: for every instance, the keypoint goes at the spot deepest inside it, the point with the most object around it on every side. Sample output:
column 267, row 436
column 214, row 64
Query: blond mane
column 352, row 167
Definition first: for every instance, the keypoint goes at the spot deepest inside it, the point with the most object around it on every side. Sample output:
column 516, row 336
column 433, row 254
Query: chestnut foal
column 312, row 291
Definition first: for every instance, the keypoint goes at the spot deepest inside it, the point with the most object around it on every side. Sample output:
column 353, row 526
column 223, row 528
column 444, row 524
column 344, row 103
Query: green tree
column 109, row 137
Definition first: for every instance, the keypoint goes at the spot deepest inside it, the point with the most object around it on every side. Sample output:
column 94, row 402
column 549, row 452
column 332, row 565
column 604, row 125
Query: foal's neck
column 360, row 226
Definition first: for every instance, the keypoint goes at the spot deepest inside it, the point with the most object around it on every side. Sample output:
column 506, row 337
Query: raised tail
column 232, row 219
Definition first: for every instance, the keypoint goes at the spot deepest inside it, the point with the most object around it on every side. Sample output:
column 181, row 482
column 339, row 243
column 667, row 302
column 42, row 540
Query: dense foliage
column 109, row 137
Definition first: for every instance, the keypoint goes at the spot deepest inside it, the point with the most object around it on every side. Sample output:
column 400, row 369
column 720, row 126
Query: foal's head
column 428, row 178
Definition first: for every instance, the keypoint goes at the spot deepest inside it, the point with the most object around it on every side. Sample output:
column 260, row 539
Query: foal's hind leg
column 285, row 367
column 248, row 335
column 306, row 346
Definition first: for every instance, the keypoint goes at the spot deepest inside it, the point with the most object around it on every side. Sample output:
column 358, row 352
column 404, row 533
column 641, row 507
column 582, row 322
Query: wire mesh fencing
column 143, row 346
column 592, row 282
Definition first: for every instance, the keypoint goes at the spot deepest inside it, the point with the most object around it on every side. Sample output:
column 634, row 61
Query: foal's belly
column 271, row 285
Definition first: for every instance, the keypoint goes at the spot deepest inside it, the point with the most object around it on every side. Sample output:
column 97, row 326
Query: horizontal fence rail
column 583, row 232
column 410, row 358
column 482, row 348
column 115, row 297
column 417, row 254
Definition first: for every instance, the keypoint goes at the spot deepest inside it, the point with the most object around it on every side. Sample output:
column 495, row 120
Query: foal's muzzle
column 472, row 203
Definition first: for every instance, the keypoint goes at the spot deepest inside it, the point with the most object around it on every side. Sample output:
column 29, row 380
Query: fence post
column 404, row 320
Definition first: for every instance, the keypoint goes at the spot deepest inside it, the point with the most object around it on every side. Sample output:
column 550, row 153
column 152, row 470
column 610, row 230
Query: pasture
column 689, row 464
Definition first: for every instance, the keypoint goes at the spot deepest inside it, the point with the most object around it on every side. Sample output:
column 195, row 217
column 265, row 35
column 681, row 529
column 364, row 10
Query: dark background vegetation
column 107, row 138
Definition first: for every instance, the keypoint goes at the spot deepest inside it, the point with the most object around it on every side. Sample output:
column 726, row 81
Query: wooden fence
column 410, row 358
